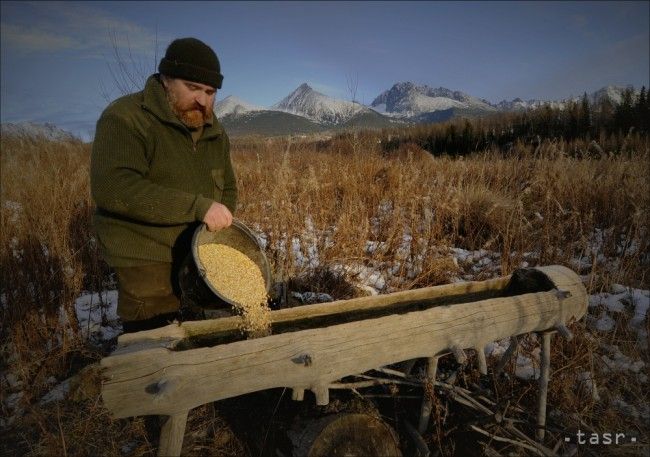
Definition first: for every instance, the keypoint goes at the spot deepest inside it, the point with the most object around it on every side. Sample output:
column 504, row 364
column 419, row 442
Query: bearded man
column 160, row 166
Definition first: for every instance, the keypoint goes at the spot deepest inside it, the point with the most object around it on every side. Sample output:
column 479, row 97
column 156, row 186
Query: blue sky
column 57, row 58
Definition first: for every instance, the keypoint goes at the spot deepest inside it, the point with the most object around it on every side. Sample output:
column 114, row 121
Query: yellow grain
column 240, row 281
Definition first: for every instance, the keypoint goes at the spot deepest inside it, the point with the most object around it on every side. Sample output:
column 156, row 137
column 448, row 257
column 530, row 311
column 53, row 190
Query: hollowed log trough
column 170, row 370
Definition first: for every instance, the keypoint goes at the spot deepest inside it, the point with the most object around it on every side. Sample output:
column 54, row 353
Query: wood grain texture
column 171, row 335
column 171, row 435
column 162, row 381
column 346, row 434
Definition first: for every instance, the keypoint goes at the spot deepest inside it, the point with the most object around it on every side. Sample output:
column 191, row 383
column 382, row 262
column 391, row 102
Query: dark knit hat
column 192, row 59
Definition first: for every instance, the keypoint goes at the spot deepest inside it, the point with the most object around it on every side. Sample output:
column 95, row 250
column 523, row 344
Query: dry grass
column 334, row 201
column 323, row 206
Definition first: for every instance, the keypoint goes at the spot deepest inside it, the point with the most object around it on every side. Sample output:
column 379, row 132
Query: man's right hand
column 217, row 217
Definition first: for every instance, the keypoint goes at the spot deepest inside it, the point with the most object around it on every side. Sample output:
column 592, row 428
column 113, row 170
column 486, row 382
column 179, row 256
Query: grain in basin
column 240, row 281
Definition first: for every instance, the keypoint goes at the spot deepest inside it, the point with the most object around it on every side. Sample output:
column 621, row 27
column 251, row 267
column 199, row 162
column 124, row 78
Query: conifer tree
column 624, row 112
column 585, row 117
column 641, row 111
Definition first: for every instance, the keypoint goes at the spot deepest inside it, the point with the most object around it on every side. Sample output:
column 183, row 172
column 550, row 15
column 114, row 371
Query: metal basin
column 237, row 236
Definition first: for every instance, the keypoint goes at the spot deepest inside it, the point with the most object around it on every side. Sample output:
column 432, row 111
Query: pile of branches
column 461, row 404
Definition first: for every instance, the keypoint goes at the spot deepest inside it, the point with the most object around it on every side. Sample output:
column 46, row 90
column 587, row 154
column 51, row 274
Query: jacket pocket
column 219, row 183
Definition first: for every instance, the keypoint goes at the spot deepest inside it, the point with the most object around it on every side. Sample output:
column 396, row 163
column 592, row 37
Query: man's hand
column 217, row 217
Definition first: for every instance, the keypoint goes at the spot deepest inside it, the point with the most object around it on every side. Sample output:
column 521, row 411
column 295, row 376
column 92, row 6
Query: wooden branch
column 171, row 435
column 427, row 396
column 421, row 446
column 410, row 397
column 399, row 374
column 565, row 332
column 545, row 365
column 482, row 362
column 370, row 382
column 359, row 384
column 465, row 399
column 451, row 379
column 408, row 366
column 543, row 449
column 408, row 382
column 458, row 352
column 322, row 394
column 507, row 440
column 514, row 344
column 162, row 381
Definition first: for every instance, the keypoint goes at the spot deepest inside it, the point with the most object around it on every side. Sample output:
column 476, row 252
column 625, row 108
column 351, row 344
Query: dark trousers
column 146, row 296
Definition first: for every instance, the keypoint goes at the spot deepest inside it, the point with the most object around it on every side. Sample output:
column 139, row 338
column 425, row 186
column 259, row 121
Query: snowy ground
column 97, row 315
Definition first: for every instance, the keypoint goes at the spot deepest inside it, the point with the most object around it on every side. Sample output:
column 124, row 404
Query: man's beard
column 194, row 116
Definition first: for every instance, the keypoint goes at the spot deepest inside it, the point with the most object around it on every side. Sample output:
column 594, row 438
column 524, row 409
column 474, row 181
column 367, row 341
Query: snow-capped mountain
column 518, row 104
column 233, row 105
column 613, row 93
column 305, row 101
column 35, row 130
column 408, row 99
column 306, row 111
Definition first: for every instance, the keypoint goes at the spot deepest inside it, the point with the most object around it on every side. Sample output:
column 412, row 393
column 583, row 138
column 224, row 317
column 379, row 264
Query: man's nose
column 201, row 99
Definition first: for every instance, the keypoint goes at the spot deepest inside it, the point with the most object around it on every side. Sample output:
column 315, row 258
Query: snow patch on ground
column 11, row 404
column 483, row 262
column 308, row 298
column 604, row 307
column 58, row 393
column 15, row 210
column 527, row 362
column 97, row 315
column 638, row 412
column 365, row 278
column 527, row 367
column 615, row 361
column 497, row 348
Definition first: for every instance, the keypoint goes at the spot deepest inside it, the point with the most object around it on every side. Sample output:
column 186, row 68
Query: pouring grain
column 240, row 281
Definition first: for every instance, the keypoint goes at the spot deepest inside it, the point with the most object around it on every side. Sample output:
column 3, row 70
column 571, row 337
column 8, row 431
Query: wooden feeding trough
column 170, row 370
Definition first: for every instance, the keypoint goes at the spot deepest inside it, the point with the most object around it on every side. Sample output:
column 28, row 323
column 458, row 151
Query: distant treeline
column 592, row 123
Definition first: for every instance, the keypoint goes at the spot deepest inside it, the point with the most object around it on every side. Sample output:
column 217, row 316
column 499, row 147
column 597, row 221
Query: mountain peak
column 233, row 105
column 303, row 90
column 34, row 130
column 407, row 98
column 611, row 92
column 306, row 102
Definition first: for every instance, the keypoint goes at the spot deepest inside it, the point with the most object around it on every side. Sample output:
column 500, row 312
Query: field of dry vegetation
column 330, row 211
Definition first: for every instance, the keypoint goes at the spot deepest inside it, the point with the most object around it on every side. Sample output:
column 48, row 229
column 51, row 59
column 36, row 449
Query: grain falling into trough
column 240, row 281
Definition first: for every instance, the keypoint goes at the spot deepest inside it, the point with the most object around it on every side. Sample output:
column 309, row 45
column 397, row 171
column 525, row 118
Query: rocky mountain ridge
column 403, row 103
column 305, row 111
column 305, row 101
column 34, row 130
column 409, row 99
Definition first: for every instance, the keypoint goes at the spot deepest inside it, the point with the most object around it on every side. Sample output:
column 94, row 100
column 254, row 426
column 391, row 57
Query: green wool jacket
column 151, row 183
